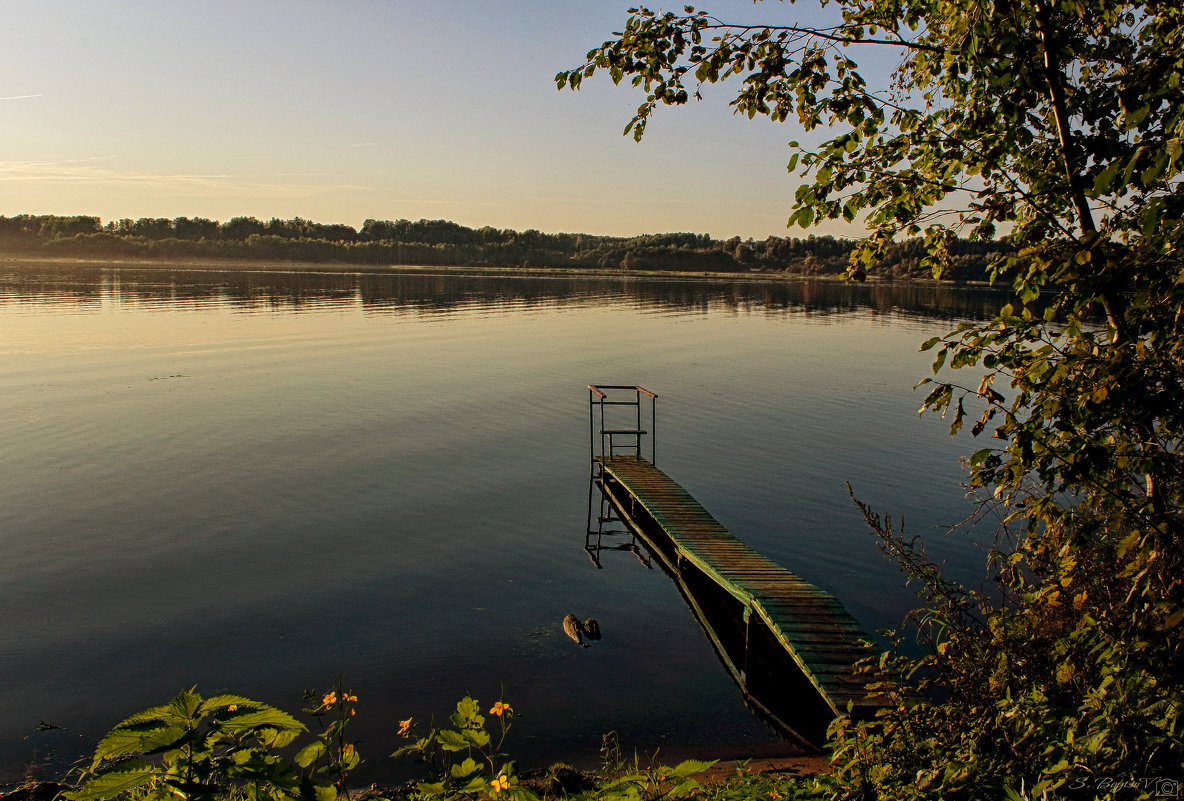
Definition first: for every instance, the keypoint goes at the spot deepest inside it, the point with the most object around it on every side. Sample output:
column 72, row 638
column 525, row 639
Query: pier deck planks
column 812, row 625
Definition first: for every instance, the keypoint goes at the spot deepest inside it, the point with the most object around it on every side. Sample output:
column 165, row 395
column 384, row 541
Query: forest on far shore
column 440, row 243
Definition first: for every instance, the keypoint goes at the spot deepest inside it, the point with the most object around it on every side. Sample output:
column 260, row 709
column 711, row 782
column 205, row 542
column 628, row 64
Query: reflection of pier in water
column 789, row 646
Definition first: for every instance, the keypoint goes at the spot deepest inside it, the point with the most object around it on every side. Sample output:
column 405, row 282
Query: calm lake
column 260, row 482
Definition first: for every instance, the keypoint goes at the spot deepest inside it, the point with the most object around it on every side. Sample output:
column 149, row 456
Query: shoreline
column 342, row 268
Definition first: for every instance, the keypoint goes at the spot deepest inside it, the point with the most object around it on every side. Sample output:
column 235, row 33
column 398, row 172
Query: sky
column 343, row 110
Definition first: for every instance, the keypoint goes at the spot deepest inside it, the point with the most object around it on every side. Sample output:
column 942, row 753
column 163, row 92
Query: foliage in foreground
column 1060, row 122
column 217, row 748
column 230, row 748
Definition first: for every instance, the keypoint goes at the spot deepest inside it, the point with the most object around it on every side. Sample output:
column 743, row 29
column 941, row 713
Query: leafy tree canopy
column 1060, row 123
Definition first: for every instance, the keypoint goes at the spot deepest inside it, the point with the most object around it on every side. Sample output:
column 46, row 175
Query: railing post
column 591, row 432
column 653, row 429
column 637, row 438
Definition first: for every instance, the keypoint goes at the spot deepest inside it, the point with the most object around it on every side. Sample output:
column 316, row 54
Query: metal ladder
column 616, row 415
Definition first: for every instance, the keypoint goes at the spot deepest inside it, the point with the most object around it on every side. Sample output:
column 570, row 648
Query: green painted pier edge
column 764, row 621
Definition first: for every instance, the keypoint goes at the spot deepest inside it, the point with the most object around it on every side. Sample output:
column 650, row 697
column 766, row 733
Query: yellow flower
column 774, row 795
column 232, row 708
column 329, row 700
column 499, row 708
column 500, row 783
column 347, row 749
column 353, row 699
column 405, row 727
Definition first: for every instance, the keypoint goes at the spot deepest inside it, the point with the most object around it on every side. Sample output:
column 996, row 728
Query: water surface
column 259, row 482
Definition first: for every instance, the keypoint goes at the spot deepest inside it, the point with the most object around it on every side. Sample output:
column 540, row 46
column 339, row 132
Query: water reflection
column 433, row 293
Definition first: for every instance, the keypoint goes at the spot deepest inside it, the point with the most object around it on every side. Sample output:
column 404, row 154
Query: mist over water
column 259, row 482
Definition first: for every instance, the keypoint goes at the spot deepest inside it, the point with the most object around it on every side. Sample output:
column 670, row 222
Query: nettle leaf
column 261, row 716
column 126, row 739
column 185, row 708
column 122, row 777
column 169, row 739
column 683, row 788
column 690, row 767
column 222, row 702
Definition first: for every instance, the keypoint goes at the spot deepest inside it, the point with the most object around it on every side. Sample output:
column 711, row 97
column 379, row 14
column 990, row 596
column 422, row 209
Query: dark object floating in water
column 574, row 629
column 592, row 628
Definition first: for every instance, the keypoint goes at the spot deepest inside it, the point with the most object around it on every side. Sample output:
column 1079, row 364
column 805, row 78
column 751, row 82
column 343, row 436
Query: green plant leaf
column 452, row 740
column 122, row 777
column 463, row 769
column 260, row 716
column 468, row 714
column 690, row 767
column 309, row 753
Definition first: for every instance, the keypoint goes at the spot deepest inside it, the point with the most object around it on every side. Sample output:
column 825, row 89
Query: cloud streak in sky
column 20, row 97
column 222, row 185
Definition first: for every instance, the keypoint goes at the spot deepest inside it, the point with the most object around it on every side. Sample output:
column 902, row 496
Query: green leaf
column 169, row 739
column 261, row 716
column 223, row 702
column 451, row 740
column 309, row 753
column 125, row 740
column 683, row 788
column 1104, row 182
column 940, row 360
column 122, row 777
column 464, row 769
column 475, row 785
column 1133, row 118
column 691, row 766
column 468, row 713
column 478, row 738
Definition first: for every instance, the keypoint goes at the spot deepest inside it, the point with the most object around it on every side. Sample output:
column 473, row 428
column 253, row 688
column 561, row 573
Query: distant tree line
column 446, row 244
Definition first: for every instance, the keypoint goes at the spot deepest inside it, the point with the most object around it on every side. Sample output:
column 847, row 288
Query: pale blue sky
column 338, row 111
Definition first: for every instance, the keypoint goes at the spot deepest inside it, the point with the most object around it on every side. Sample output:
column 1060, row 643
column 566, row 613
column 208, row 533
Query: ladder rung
column 632, row 431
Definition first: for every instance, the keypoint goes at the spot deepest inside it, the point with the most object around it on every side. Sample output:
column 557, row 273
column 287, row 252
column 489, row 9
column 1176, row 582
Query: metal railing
column 615, row 429
column 608, row 433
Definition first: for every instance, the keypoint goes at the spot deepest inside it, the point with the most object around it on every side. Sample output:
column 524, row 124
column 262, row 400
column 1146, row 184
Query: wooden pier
column 790, row 646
